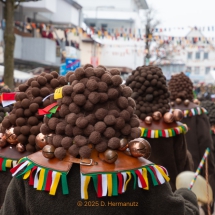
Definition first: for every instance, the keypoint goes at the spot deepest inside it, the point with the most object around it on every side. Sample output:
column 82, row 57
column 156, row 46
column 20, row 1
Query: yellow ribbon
column 162, row 172
column 55, row 184
column 144, row 174
column 109, row 183
column 129, row 178
column 8, row 163
column 41, row 179
column 86, row 183
column 156, row 134
column 142, row 131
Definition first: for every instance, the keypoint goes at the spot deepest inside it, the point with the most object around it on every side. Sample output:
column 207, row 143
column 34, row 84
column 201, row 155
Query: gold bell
column 140, row 147
column 48, row 151
column 110, row 156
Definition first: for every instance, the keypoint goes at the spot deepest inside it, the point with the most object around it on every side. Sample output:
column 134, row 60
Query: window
column 189, row 69
column 197, row 55
column 207, row 70
column 189, row 55
column 197, row 70
column 205, row 55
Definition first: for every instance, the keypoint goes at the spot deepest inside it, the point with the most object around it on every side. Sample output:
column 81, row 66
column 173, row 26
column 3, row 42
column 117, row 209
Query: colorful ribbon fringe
column 40, row 177
column 7, row 163
column 171, row 132
column 194, row 111
column 49, row 110
column 112, row 184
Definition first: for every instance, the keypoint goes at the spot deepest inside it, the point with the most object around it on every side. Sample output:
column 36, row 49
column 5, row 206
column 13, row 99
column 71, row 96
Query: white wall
column 65, row 13
column 130, row 56
column 118, row 4
column 41, row 6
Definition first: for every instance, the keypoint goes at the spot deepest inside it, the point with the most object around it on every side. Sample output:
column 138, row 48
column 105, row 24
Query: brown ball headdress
column 180, row 87
column 96, row 111
column 24, row 121
column 149, row 91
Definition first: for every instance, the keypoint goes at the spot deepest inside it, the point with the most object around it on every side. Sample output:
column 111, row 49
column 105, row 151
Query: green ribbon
column 160, row 133
column 54, row 109
column 173, row 132
column 114, row 184
column 64, row 184
column 152, row 175
column 135, row 178
column 49, row 115
column 95, row 181
column 45, row 179
column 4, row 164
column 145, row 133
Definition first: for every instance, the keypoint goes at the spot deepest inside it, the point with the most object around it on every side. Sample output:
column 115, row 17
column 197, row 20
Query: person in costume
column 210, row 107
column 160, row 127
column 21, row 127
column 198, row 137
column 94, row 159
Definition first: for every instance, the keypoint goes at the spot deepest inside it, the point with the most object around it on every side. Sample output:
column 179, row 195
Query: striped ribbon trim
column 193, row 112
column 39, row 177
column 112, row 184
column 7, row 163
column 171, row 132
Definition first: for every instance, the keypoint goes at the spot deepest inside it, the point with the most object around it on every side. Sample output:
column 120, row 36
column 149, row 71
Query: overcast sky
column 182, row 13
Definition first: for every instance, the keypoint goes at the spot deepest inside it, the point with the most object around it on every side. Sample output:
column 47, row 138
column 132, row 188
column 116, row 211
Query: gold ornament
column 178, row 101
column 41, row 140
column 48, row 151
column 3, row 141
column 168, row 117
column 123, row 144
column 110, row 156
column 178, row 115
column 148, row 120
column 157, row 115
column 10, row 136
column 140, row 147
column 186, row 102
column 20, row 147
column 196, row 101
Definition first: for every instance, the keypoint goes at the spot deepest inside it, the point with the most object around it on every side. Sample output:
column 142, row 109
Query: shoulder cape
column 108, row 179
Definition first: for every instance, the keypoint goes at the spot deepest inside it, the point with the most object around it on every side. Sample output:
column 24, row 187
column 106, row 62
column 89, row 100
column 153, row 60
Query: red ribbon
column 142, row 181
column 31, row 179
column 120, row 178
column 99, row 185
column 48, row 181
column 15, row 168
column 1, row 162
column 8, row 96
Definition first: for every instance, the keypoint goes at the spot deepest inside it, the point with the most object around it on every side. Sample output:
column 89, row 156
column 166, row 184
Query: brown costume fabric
column 198, row 139
column 175, row 159
column 159, row 200
column 5, row 178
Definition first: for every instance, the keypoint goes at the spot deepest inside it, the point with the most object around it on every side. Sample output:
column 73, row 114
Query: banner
column 72, row 64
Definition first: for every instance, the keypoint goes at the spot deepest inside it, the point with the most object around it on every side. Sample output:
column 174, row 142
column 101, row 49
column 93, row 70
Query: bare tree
column 161, row 50
column 9, row 40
